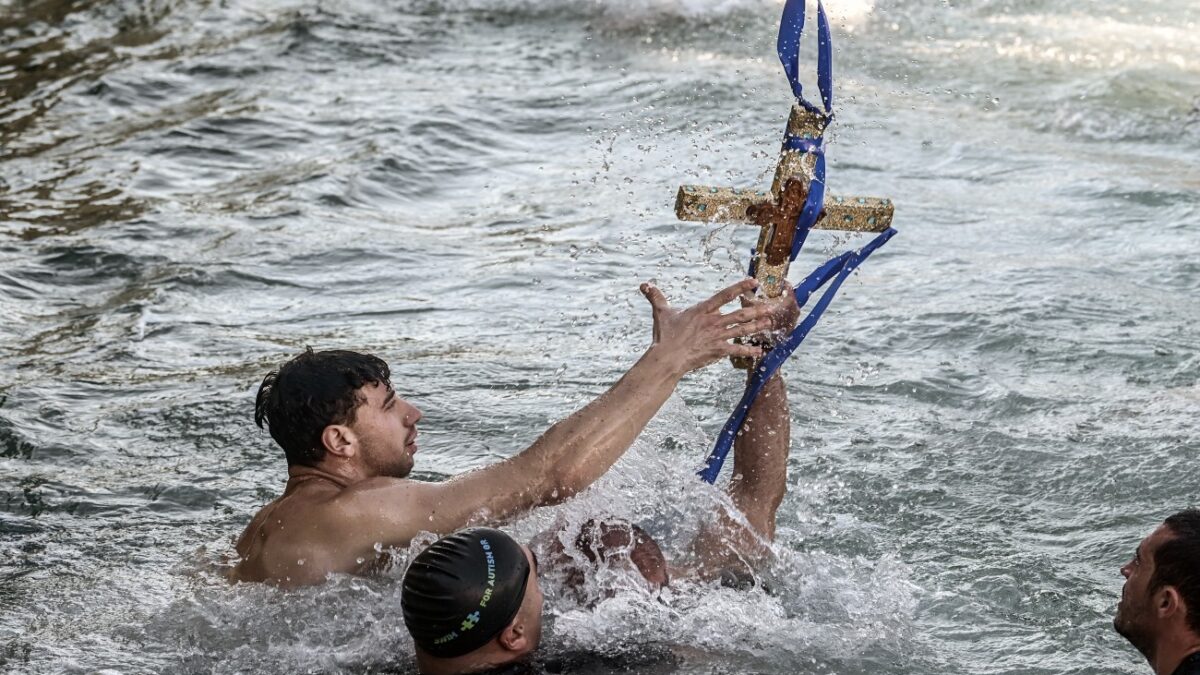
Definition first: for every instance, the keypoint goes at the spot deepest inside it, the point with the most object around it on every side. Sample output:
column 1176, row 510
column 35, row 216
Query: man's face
column 386, row 426
column 1136, row 618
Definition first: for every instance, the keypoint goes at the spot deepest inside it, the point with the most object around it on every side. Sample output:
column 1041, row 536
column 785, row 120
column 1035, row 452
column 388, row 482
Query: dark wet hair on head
column 312, row 391
column 600, row 540
column 1177, row 563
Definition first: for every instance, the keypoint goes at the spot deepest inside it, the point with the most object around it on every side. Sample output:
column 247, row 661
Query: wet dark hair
column 1177, row 563
column 312, row 391
column 599, row 540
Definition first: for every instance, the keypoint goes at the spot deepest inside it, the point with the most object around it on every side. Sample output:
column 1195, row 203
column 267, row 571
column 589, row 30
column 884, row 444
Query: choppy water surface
column 997, row 408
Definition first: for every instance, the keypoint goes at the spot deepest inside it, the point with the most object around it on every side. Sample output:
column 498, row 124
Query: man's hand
column 701, row 334
column 783, row 312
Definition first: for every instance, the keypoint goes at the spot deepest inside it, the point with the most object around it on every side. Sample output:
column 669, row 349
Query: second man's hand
column 700, row 335
column 783, row 312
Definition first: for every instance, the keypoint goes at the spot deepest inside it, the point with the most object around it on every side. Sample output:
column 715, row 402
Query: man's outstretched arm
column 573, row 453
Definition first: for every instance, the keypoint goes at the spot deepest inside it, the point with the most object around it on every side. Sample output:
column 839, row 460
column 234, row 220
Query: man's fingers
column 746, row 314
column 727, row 295
column 657, row 300
column 733, row 349
column 748, row 328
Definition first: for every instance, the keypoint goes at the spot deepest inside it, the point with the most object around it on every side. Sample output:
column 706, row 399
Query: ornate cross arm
column 733, row 205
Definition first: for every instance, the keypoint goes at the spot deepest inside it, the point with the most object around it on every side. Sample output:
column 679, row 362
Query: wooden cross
column 776, row 213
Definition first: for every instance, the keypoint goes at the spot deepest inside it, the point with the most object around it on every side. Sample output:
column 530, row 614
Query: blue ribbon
column 791, row 25
column 812, row 207
column 840, row 266
column 824, row 58
column 802, row 144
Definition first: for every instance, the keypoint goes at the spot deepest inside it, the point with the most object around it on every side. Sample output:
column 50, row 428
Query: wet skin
column 1134, row 618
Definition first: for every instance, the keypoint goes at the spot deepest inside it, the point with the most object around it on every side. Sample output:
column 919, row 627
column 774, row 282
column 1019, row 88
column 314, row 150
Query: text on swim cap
column 491, row 572
column 472, row 619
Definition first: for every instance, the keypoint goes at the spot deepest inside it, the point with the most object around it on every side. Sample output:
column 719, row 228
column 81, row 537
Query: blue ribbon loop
column 791, row 26
column 838, row 269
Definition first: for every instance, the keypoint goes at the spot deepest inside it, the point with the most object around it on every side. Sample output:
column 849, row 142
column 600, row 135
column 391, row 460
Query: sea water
column 999, row 404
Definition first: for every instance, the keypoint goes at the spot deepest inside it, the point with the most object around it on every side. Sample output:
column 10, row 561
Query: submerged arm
column 760, row 459
column 757, row 488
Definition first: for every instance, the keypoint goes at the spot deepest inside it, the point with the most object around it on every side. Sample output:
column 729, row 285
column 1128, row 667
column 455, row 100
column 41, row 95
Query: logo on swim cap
column 469, row 622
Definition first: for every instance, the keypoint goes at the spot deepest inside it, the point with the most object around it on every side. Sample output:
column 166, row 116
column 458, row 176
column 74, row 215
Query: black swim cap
column 464, row 590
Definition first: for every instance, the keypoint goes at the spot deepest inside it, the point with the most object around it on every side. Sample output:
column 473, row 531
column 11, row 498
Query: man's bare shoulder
column 396, row 508
column 284, row 535
column 320, row 529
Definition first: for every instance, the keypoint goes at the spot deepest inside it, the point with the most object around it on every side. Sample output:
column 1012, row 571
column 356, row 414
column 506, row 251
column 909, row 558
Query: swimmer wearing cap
column 472, row 600
column 350, row 442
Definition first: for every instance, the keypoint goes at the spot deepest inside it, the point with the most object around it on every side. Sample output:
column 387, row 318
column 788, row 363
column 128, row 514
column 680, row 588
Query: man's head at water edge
column 473, row 600
column 336, row 410
column 1159, row 610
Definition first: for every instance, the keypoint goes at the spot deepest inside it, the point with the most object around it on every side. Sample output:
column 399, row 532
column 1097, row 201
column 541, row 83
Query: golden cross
column 776, row 213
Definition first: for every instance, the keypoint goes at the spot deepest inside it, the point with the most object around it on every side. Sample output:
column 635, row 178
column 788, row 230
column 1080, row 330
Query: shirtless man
column 349, row 441
column 1159, row 611
column 472, row 601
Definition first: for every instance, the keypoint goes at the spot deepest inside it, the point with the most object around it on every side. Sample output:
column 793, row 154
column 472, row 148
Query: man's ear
column 339, row 440
column 514, row 638
column 1167, row 603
